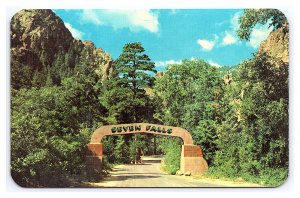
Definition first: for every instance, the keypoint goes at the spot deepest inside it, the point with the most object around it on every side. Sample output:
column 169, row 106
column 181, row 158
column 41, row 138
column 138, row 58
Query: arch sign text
column 138, row 127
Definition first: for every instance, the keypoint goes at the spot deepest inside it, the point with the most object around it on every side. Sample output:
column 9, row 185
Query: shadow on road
column 130, row 176
column 149, row 162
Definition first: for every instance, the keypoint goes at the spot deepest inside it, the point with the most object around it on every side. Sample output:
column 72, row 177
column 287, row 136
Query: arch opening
column 191, row 155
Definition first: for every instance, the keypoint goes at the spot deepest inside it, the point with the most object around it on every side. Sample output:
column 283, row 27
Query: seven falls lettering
column 137, row 128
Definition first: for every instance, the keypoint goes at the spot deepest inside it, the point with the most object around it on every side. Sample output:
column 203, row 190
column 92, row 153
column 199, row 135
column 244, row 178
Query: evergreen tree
column 20, row 75
column 133, row 69
column 251, row 17
column 124, row 94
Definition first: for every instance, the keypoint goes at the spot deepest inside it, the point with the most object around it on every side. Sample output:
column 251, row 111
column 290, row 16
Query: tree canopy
column 125, row 94
column 251, row 17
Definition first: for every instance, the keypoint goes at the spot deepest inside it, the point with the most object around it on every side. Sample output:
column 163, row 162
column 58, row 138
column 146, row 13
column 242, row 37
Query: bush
column 272, row 177
column 46, row 145
column 172, row 150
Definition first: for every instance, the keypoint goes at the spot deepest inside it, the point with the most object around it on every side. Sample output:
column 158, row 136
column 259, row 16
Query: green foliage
column 251, row 17
column 45, row 141
column 121, row 150
column 134, row 148
column 50, row 127
column 124, row 93
column 115, row 100
column 125, row 98
column 253, row 139
column 272, row 177
column 20, row 74
column 115, row 151
column 84, row 91
column 108, row 149
column 132, row 74
column 136, row 144
column 240, row 121
column 171, row 147
column 205, row 135
column 188, row 96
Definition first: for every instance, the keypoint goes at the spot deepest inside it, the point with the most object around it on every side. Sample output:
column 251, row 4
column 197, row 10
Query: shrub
column 172, row 150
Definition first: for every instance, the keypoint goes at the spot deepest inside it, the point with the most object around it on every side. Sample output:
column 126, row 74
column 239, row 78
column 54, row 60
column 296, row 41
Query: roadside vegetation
column 239, row 116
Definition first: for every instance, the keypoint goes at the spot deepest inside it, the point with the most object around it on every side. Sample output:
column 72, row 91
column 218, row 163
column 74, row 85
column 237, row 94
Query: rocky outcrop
column 38, row 34
column 99, row 60
column 277, row 44
column 159, row 75
column 40, row 39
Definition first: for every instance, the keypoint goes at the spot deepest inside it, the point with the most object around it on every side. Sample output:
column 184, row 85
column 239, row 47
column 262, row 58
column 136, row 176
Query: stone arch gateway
column 191, row 155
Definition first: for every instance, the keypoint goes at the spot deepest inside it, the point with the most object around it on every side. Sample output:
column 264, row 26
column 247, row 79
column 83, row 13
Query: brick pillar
column 94, row 160
column 192, row 160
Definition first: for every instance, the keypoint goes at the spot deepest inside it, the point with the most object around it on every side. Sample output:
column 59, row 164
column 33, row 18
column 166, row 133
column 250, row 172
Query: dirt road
column 149, row 174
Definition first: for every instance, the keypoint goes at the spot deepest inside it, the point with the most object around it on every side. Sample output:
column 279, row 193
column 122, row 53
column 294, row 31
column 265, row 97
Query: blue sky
column 168, row 36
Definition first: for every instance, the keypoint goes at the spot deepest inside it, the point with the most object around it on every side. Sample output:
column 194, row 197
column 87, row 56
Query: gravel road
column 149, row 174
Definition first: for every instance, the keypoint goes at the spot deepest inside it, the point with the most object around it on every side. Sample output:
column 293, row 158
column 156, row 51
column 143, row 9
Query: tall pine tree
column 124, row 94
column 133, row 71
column 133, row 68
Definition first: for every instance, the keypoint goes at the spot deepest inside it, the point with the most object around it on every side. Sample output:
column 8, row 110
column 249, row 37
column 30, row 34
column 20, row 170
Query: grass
column 273, row 177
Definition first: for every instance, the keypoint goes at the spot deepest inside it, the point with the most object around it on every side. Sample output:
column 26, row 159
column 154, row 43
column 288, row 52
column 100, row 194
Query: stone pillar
column 192, row 160
column 94, row 160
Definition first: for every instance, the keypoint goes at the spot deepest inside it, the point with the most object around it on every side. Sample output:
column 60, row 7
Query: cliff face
column 39, row 40
column 277, row 44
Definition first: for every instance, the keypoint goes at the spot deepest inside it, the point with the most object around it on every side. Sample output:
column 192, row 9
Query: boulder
column 179, row 173
column 188, row 173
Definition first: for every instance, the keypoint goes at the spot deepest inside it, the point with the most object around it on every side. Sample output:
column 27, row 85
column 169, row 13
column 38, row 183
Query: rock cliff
column 40, row 39
column 277, row 44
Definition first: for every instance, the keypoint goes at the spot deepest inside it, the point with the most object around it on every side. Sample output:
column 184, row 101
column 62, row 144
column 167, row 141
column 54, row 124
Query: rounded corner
column 282, row 12
column 284, row 181
column 16, row 13
column 16, row 182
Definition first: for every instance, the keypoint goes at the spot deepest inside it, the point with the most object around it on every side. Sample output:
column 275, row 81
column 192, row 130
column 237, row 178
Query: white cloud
column 167, row 62
column 229, row 39
column 75, row 33
column 212, row 63
column 206, row 44
column 258, row 34
column 135, row 20
column 235, row 24
column 90, row 16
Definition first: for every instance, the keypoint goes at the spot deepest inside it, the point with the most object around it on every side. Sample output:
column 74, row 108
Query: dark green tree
column 125, row 94
column 188, row 96
column 47, row 139
column 251, row 17
column 114, row 99
column 133, row 69
column 20, row 75
column 171, row 147
column 253, row 138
